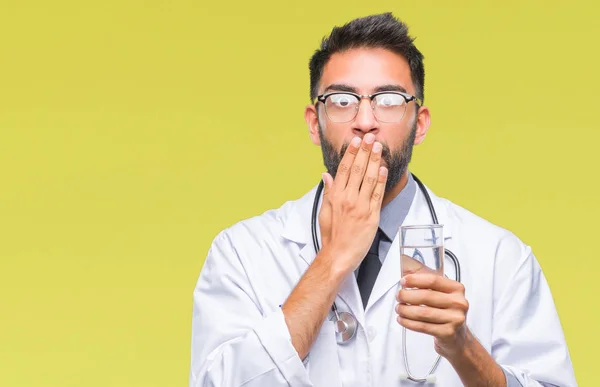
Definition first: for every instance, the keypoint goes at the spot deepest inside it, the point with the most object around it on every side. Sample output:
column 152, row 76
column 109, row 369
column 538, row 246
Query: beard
column 396, row 160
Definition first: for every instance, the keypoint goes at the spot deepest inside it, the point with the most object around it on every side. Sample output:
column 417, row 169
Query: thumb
column 327, row 181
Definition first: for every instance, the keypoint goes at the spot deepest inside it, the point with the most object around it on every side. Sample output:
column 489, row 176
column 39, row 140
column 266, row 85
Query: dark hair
column 375, row 31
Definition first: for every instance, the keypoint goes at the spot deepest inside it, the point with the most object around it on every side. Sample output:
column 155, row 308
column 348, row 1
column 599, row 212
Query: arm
column 444, row 317
column 528, row 340
column 308, row 305
column 234, row 342
column 528, row 345
column 349, row 218
column 475, row 366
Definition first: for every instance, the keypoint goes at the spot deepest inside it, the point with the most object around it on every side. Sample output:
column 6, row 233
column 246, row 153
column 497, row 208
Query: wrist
column 333, row 263
column 474, row 365
column 463, row 350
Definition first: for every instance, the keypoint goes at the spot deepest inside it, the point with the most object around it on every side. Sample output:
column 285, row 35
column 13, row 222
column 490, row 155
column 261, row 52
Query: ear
column 423, row 122
column 312, row 120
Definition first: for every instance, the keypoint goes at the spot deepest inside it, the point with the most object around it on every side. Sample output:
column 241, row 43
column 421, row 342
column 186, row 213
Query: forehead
column 367, row 68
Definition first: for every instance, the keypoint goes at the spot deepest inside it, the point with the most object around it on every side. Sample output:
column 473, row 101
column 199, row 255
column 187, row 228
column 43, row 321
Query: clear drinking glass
column 422, row 249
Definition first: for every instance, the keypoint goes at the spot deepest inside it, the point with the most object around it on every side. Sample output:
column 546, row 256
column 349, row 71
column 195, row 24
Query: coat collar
column 297, row 223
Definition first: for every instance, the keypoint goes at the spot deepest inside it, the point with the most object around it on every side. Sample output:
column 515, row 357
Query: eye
column 342, row 100
column 389, row 100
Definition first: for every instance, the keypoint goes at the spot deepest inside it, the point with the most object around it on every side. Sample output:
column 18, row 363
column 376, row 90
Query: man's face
column 366, row 71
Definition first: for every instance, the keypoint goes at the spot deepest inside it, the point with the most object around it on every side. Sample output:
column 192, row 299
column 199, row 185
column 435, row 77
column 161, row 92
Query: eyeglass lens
column 387, row 107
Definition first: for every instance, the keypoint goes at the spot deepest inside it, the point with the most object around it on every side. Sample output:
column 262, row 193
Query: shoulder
column 488, row 250
column 466, row 219
column 269, row 226
column 255, row 228
column 476, row 231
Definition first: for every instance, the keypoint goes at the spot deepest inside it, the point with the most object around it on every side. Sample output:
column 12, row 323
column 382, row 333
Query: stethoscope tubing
column 346, row 324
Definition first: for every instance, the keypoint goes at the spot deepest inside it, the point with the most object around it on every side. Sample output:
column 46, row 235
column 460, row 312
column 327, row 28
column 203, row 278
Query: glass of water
column 422, row 249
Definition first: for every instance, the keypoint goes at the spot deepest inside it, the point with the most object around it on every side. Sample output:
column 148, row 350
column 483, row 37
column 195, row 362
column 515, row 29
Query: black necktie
column 369, row 268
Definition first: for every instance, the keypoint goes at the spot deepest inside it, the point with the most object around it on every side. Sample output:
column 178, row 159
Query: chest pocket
column 323, row 362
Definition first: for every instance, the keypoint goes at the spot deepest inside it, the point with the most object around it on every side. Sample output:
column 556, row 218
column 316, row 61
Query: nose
column 365, row 120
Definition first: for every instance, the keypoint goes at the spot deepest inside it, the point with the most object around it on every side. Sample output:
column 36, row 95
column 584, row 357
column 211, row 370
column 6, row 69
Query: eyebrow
column 342, row 87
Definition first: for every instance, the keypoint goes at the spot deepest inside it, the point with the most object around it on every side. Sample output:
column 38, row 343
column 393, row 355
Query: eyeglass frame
column 407, row 99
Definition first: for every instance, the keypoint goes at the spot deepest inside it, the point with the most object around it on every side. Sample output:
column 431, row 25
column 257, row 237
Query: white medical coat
column 240, row 338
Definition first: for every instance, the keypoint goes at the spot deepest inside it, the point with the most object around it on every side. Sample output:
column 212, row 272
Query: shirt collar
column 394, row 213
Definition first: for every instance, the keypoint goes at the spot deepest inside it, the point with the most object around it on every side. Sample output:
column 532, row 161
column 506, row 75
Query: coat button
column 371, row 333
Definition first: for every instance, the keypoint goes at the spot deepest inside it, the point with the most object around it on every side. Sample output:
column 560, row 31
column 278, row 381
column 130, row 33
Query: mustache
column 385, row 151
column 333, row 158
column 396, row 160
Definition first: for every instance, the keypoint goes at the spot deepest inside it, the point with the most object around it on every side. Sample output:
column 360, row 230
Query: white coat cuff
column 275, row 337
column 511, row 380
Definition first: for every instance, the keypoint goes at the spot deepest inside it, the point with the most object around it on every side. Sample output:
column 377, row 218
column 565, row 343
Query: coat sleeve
column 528, row 341
column 235, row 342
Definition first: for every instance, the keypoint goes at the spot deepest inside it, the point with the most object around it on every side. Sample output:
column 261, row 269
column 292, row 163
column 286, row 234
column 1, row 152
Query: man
column 262, row 304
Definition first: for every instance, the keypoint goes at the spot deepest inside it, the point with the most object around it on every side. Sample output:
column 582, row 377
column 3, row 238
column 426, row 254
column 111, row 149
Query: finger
column 433, row 282
column 430, row 315
column 359, row 167
column 427, row 297
column 372, row 173
column 377, row 196
column 325, row 211
column 410, row 265
column 343, row 171
column 327, row 182
column 436, row 330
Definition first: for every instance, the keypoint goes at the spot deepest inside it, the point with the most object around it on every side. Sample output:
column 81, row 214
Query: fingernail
column 356, row 141
column 376, row 147
column 382, row 171
column 369, row 138
column 403, row 281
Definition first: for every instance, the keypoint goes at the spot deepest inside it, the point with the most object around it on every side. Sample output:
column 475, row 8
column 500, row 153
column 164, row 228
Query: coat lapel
column 419, row 214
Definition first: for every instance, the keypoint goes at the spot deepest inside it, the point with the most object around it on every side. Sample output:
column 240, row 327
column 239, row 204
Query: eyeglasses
column 388, row 106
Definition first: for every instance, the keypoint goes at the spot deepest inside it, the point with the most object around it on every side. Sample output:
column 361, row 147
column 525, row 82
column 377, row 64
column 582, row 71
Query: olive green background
column 132, row 132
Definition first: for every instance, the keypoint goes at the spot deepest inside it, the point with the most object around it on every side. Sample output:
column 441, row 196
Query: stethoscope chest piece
column 345, row 326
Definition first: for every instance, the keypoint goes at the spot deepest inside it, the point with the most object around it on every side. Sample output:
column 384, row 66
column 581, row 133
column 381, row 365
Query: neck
column 392, row 193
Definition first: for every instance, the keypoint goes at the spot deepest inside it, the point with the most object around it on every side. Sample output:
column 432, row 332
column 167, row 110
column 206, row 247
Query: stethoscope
column 345, row 323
